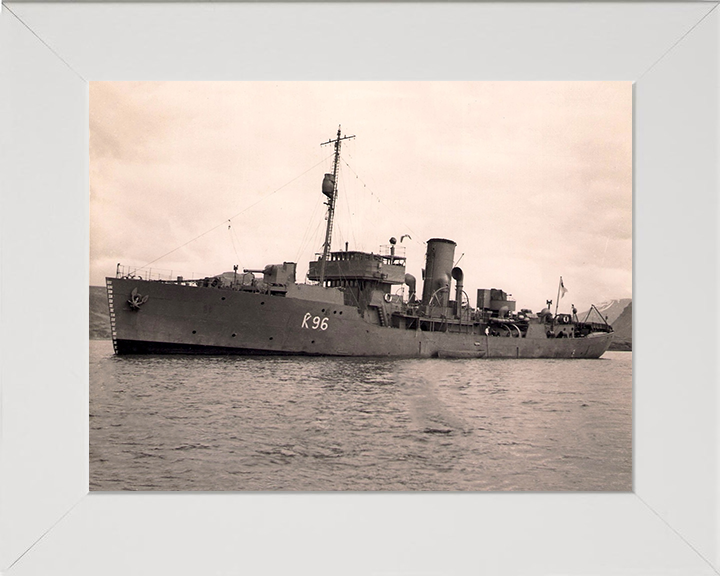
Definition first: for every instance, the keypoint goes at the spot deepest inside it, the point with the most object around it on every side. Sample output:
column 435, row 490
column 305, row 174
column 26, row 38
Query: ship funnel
column 438, row 266
column 458, row 276
column 411, row 283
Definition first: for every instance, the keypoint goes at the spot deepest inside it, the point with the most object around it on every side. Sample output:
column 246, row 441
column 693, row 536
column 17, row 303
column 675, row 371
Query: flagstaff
column 561, row 287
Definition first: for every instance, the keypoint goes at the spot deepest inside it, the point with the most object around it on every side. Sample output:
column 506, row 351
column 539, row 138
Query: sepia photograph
column 361, row 286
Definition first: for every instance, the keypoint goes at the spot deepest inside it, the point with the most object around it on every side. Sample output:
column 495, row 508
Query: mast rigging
column 331, row 193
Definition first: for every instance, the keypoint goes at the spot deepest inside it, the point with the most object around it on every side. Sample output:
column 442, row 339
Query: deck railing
column 151, row 273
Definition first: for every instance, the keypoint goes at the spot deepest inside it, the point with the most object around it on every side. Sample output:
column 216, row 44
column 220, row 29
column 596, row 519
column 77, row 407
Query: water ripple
column 289, row 423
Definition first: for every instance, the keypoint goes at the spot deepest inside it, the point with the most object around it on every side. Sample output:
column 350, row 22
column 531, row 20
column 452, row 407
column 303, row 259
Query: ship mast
column 332, row 199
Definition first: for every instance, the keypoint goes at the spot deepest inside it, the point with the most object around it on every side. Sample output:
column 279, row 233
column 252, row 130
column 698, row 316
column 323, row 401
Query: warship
column 346, row 307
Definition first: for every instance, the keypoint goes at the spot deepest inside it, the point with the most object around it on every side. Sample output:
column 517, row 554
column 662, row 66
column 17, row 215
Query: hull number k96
column 315, row 322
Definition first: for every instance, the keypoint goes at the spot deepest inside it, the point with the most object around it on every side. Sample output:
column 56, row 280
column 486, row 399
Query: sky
column 533, row 180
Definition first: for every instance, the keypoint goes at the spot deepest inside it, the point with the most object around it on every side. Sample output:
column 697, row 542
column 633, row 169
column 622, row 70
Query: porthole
column 233, row 335
column 271, row 337
column 194, row 331
column 312, row 341
column 334, row 311
column 262, row 303
column 223, row 298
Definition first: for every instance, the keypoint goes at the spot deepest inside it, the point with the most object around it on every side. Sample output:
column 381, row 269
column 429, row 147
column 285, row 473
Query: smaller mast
column 332, row 198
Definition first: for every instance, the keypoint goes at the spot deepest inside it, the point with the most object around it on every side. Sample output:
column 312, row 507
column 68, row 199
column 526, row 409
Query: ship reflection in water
column 325, row 424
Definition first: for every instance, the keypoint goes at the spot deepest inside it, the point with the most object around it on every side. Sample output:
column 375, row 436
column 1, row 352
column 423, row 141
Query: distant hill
column 612, row 309
column 623, row 330
column 619, row 315
column 99, row 314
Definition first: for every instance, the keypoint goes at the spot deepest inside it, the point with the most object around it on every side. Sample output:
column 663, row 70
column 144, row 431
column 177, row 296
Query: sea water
column 325, row 424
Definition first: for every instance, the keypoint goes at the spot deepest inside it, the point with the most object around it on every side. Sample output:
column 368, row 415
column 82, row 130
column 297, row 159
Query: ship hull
column 178, row 319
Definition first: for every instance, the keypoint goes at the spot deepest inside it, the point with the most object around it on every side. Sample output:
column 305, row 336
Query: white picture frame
column 49, row 523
